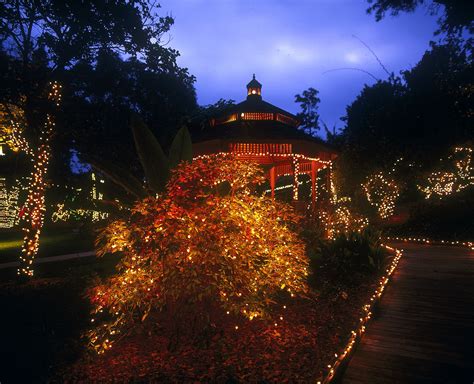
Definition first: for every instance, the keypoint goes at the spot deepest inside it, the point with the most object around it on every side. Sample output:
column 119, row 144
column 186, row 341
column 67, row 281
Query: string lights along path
column 356, row 333
column 424, row 240
column 367, row 308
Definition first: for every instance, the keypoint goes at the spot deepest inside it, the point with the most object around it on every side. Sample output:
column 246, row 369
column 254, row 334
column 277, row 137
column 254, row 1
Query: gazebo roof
column 255, row 120
column 256, row 104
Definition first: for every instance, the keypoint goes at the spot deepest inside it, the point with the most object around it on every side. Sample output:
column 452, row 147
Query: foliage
column 153, row 159
column 309, row 115
column 206, row 247
column 458, row 15
column 103, row 95
column 156, row 164
column 344, row 261
column 110, row 58
column 408, row 117
column 440, row 218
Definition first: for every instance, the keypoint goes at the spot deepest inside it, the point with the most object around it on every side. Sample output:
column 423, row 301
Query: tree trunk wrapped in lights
column 33, row 211
column 205, row 252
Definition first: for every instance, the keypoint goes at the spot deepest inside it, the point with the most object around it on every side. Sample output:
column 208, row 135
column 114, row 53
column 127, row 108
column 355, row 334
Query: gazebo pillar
column 295, row 178
column 314, row 173
column 328, row 182
column 272, row 180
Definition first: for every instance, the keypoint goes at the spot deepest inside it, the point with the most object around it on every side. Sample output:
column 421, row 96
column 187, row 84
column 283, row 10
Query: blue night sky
column 289, row 45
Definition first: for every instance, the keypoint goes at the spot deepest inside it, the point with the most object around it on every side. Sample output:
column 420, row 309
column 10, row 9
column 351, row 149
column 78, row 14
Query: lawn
column 42, row 320
column 54, row 241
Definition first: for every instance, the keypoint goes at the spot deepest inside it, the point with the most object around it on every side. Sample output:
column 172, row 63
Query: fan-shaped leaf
column 151, row 155
column 181, row 148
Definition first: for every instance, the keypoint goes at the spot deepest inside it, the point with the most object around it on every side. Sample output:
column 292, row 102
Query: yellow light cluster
column 446, row 183
column 8, row 204
column 382, row 193
column 367, row 314
column 63, row 214
column 296, row 156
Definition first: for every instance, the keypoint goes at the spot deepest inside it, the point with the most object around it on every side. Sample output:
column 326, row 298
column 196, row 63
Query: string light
column 367, row 309
column 60, row 213
column 424, row 240
column 8, row 204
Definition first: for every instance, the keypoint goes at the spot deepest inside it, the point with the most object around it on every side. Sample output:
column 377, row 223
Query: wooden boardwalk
column 423, row 330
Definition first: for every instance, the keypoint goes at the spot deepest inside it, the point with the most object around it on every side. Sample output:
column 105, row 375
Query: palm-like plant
column 156, row 165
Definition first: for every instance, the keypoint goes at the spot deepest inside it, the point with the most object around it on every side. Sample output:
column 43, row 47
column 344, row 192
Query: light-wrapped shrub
column 208, row 249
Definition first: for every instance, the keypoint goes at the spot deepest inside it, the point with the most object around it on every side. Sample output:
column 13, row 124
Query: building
column 258, row 131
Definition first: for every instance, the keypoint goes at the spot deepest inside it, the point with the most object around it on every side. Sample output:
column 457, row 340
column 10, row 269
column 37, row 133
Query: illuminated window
column 260, row 148
column 257, row 116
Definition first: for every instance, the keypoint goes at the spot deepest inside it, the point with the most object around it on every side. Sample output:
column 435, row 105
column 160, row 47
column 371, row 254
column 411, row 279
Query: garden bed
column 297, row 348
column 55, row 314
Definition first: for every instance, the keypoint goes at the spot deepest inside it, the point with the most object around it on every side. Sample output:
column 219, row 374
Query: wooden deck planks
column 423, row 329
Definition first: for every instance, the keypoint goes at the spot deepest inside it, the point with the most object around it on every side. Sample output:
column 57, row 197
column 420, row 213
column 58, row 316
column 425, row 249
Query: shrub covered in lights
column 206, row 251
column 382, row 192
column 457, row 175
column 340, row 218
column 344, row 261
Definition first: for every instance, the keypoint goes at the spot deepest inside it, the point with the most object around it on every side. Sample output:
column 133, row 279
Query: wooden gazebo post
column 314, row 172
column 272, row 180
column 295, row 178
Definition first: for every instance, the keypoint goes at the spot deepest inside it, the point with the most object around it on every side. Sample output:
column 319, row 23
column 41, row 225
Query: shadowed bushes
column 345, row 261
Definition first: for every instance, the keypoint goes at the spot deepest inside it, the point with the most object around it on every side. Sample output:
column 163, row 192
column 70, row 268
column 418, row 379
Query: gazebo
column 258, row 131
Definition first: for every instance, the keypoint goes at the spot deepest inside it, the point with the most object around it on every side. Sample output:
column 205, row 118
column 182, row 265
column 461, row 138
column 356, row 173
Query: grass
column 42, row 320
column 53, row 242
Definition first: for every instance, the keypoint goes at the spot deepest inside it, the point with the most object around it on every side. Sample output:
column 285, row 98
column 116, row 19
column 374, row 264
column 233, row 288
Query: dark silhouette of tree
column 199, row 121
column 309, row 116
column 417, row 116
column 110, row 58
column 457, row 14
column 102, row 95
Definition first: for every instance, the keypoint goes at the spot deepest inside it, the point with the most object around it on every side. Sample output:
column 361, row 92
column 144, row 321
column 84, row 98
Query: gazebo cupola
column 254, row 88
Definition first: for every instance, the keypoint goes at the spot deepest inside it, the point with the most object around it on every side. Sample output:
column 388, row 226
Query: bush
column 346, row 260
column 206, row 252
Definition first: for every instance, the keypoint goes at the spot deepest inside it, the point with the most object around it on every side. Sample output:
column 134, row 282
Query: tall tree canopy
column 309, row 116
column 418, row 116
column 110, row 58
column 456, row 14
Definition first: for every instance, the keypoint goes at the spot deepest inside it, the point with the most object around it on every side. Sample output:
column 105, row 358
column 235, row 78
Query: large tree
column 456, row 15
column 44, row 41
column 417, row 116
column 102, row 95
